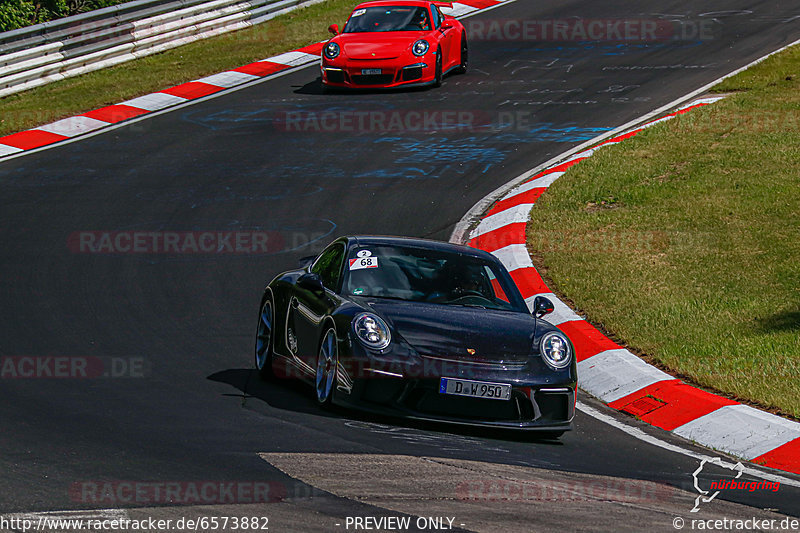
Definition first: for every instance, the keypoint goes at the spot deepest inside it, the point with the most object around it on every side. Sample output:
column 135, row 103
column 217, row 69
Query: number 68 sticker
column 358, row 263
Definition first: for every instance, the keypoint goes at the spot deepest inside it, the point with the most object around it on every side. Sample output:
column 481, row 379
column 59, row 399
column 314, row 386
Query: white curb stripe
column 458, row 9
column 518, row 213
column 535, row 184
column 514, row 256
column 561, row 311
column 8, row 150
column 72, row 126
column 741, row 430
column 614, row 374
column 228, row 79
column 293, row 59
column 545, row 181
column 155, row 101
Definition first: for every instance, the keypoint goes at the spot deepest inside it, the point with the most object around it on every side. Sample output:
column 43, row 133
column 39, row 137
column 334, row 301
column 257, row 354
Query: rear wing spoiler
column 448, row 5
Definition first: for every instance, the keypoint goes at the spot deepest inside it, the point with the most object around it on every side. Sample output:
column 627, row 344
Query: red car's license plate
column 370, row 71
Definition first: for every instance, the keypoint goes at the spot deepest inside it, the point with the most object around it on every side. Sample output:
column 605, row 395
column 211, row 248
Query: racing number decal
column 358, row 263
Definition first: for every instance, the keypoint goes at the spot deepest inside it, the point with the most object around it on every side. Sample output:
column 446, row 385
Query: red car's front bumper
column 354, row 74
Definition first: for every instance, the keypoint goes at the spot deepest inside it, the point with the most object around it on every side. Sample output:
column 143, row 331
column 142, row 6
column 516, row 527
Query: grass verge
column 684, row 241
column 153, row 73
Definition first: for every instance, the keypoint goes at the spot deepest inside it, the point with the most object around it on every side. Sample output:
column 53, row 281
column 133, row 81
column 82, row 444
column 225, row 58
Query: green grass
column 160, row 71
column 694, row 258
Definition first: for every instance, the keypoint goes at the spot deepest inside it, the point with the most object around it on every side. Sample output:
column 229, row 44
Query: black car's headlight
column 420, row 48
column 372, row 331
column 555, row 350
column 331, row 50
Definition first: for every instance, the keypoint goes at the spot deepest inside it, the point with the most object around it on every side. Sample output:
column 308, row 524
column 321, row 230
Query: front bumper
column 393, row 73
column 539, row 402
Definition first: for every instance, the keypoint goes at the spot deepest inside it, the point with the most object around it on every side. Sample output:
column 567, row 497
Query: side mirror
column 334, row 29
column 542, row 306
column 446, row 25
column 311, row 282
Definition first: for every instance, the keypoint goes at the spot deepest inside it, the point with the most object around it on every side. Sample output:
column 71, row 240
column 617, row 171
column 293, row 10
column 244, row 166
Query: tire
column 265, row 340
column 437, row 80
column 462, row 68
column 327, row 361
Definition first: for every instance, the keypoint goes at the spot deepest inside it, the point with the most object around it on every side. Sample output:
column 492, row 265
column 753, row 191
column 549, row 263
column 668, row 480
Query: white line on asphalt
column 641, row 435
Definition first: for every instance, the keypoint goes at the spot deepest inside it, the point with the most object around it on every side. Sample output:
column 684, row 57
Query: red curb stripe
column 587, row 339
column 785, row 457
column 558, row 168
column 115, row 113
column 513, row 233
column 261, row 68
column 313, row 49
column 529, row 282
column 682, row 403
column 479, row 4
column 30, row 139
column 621, row 137
column 527, row 197
column 192, row 90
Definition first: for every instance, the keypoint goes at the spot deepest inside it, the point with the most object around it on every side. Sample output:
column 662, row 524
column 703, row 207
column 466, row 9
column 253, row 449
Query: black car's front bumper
column 538, row 401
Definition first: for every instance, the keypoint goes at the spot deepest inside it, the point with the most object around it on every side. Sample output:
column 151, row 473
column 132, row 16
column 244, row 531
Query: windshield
column 400, row 18
column 423, row 275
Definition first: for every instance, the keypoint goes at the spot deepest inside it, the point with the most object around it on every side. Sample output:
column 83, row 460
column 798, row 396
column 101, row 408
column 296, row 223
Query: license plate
column 475, row 389
column 370, row 71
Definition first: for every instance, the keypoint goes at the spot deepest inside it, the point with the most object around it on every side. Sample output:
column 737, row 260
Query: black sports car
column 420, row 329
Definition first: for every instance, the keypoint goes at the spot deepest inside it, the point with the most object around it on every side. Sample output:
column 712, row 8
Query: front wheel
column 437, row 81
column 264, row 340
column 462, row 67
column 327, row 360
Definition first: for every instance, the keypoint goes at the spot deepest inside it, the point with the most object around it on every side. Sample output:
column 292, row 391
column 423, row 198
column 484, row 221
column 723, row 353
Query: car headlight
column 372, row 331
column 420, row 48
column 331, row 50
column 555, row 350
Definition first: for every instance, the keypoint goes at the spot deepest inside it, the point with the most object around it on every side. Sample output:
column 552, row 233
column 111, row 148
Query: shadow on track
column 295, row 396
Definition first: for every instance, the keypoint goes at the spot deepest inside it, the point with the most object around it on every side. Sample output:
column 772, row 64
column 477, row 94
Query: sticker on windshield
column 357, row 263
column 364, row 253
column 358, row 12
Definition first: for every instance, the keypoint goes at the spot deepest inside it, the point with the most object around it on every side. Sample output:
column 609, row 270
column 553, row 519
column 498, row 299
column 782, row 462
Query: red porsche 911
column 394, row 43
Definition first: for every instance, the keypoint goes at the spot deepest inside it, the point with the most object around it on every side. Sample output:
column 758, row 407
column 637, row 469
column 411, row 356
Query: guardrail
column 41, row 54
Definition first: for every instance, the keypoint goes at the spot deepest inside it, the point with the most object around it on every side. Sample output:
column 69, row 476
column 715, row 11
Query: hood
column 388, row 45
column 448, row 331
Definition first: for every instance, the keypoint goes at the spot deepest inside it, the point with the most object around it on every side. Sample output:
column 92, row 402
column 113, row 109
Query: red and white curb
column 93, row 121
column 615, row 375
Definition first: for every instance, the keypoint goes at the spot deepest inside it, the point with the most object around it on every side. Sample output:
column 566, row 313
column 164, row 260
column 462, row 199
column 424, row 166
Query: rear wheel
column 264, row 339
column 462, row 68
column 327, row 360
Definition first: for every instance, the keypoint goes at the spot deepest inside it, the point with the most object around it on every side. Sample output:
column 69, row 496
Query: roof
column 367, row 240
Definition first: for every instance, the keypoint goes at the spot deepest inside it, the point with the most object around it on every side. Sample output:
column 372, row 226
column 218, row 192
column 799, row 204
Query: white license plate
column 475, row 389
column 370, row 71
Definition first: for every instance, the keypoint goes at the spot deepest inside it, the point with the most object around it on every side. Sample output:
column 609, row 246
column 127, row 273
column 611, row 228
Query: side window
column 329, row 265
column 437, row 16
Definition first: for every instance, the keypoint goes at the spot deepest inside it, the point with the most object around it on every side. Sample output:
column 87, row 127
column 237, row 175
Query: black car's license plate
column 370, row 71
column 475, row 389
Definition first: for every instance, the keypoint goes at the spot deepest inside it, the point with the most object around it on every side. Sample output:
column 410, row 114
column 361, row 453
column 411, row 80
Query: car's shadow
column 295, row 396
column 315, row 88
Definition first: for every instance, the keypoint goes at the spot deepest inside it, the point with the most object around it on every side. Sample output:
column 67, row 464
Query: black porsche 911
column 419, row 329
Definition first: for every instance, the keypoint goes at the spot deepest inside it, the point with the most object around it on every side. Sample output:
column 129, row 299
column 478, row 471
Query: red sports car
column 392, row 43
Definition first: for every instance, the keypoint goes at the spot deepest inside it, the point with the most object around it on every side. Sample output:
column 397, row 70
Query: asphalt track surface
column 229, row 164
